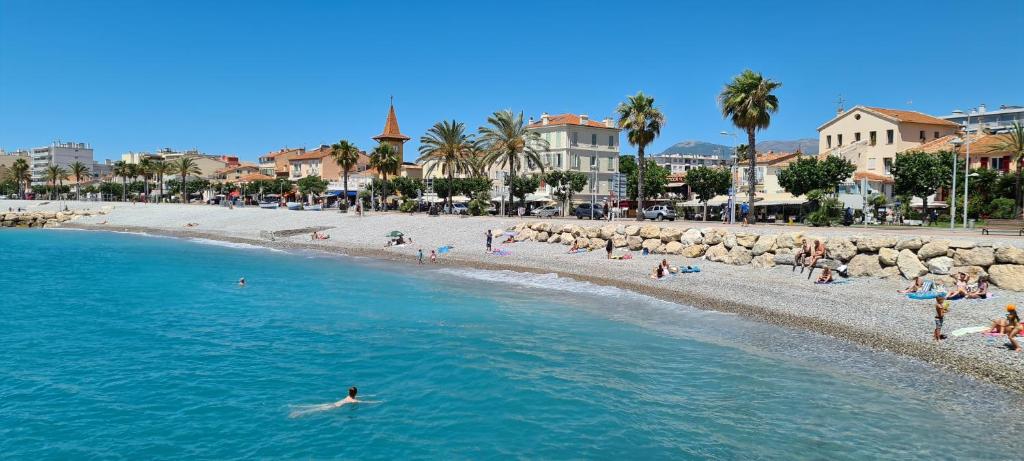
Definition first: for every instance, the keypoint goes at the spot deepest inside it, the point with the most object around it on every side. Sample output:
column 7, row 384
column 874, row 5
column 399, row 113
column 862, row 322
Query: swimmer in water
column 241, row 282
column 310, row 409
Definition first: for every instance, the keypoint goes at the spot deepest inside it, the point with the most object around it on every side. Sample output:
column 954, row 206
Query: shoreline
column 933, row 354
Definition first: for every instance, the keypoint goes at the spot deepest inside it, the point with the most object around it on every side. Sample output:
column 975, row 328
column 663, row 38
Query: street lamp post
column 732, row 176
column 967, row 165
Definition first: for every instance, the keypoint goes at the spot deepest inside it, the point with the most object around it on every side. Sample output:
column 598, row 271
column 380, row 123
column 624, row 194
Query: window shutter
column 984, row 163
column 1006, row 164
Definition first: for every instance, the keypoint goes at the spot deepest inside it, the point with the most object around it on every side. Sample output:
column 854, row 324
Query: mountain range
column 806, row 145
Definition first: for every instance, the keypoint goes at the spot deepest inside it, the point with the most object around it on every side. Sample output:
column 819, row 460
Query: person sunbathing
column 658, row 272
column 509, row 240
column 575, row 246
column 826, row 276
column 914, row 287
column 961, row 287
column 981, row 291
column 667, row 268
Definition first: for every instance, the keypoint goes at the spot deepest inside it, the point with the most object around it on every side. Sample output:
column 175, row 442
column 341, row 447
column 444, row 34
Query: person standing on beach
column 608, row 247
column 606, row 215
column 941, row 307
column 421, row 256
column 433, row 257
column 490, row 237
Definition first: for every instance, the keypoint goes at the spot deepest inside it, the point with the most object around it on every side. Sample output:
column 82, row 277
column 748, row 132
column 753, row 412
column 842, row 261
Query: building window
column 611, row 164
column 921, row 135
column 856, row 137
column 828, row 142
column 576, row 138
column 576, row 161
column 873, row 137
column 593, row 140
column 611, row 141
column 887, row 164
column 558, row 158
column 839, row 139
column 593, row 162
column 871, row 163
column 889, row 136
column 996, row 163
column 936, row 135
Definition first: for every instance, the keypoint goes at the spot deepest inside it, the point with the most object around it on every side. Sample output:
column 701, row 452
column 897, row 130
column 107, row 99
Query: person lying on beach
column 981, row 291
column 510, row 239
column 826, row 276
column 914, row 287
column 191, row 224
column 658, row 272
column 575, row 246
column 317, row 235
column 961, row 287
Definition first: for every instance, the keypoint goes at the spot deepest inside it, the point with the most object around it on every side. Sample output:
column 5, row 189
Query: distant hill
column 807, row 145
column 699, row 148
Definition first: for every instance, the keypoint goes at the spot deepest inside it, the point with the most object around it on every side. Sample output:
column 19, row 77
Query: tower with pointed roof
column 391, row 134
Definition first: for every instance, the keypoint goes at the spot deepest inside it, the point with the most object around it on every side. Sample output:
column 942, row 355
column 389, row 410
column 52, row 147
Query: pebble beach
column 864, row 310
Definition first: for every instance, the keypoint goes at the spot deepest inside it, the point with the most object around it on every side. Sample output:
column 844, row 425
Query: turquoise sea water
column 134, row 347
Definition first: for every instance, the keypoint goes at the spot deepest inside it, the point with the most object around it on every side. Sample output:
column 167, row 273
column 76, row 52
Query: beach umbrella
column 395, row 234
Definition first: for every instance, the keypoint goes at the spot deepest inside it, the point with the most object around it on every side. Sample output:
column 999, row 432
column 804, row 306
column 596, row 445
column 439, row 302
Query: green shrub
column 478, row 207
column 407, row 206
column 1001, row 208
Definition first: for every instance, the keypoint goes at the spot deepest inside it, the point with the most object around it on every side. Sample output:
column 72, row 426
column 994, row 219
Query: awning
column 333, row 193
column 538, row 198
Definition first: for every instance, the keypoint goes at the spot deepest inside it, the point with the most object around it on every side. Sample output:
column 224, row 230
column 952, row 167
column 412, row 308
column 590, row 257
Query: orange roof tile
column 877, row 177
column 391, row 130
column 775, row 158
column 313, row 154
column 911, row 116
column 283, row 151
column 568, row 119
column 255, row 177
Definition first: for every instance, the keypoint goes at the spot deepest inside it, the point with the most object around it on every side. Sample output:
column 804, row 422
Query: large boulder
column 765, row 244
column 746, row 239
column 890, row 272
column 554, row 237
column 632, row 230
column 1007, row 276
column 712, row 236
column 933, row 249
column 524, row 234
column 650, row 231
column 717, row 253
column 673, row 248
column 691, row 237
column 977, row 256
column 873, row 243
column 619, row 241
column 788, row 239
column 965, row 244
column 1009, row 255
column 651, row 244
column 941, row 265
column 608, row 231
column 763, row 261
column 541, row 236
column 913, row 244
column 670, row 234
column 593, row 232
column 634, row 242
column 567, row 238
column 973, row 272
column 887, row 256
column 582, row 242
column 864, row 265
column 567, row 228
column 840, row 248
column 597, row 243
column 784, row 258
column 542, row 227
column 740, row 256
column 909, row 265
column 694, row 251
column 729, row 240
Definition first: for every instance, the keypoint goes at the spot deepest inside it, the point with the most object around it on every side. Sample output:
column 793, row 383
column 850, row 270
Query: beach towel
column 925, row 294
column 443, row 249
column 689, row 269
column 501, row 252
column 580, row 250
column 968, row 330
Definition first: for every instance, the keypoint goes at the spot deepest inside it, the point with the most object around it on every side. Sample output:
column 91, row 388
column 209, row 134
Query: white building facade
column 995, row 121
column 62, row 154
column 577, row 143
column 681, row 163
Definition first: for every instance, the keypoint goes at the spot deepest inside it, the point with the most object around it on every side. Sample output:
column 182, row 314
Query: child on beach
column 941, row 307
column 489, row 238
column 608, row 247
column 825, row 277
column 420, row 257
column 433, row 257
column 1013, row 327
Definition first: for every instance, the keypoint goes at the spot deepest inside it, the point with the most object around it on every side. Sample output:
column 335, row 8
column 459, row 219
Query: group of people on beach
column 808, row 256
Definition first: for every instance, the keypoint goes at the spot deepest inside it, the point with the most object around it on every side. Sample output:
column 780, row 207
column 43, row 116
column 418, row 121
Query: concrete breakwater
column 42, row 218
column 865, row 256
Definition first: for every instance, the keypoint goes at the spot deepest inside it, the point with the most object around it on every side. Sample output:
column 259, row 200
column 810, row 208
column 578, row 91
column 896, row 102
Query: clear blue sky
column 247, row 77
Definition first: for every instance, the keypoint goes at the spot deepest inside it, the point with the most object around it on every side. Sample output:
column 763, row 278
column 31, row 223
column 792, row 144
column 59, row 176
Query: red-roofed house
column 579, row 143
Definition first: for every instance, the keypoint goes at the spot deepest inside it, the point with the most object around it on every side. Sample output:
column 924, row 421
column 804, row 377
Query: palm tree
column 749, row 102
column 78, row 171
column 1013, row 142
column 55, row 174
column 385, row 159
column 185, row 166
column 447, row 146
column 642, row 122
column 122, row 170
column 161, row 169
column 346, row 155
column 508, row 142
column 22, row 174
column 145, row 169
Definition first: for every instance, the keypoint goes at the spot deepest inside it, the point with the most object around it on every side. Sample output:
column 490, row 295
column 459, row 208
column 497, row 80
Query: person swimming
column 350, row 399
column 241, row 282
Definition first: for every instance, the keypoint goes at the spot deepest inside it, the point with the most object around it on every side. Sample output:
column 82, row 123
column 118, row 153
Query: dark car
column 585, row 211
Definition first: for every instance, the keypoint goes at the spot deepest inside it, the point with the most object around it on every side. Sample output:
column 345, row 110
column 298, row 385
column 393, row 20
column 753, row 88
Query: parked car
column 584, row 210
column 458, row 208
column 660, row 212
column 548, row 211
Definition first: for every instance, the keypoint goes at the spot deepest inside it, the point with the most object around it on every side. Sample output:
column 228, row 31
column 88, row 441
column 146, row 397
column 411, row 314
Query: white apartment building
column 62, row 154
column 577, row 143
column 681, row 163
column 995, row 121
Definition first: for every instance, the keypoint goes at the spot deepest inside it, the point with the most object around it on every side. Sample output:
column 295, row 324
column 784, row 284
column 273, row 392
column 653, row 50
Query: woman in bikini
column 961, row 287
column 914, row 287
column 825, row 277
column 982, row 291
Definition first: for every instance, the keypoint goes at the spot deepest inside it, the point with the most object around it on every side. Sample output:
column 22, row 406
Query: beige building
column 577, row 143
column 237, row 172
column 276, row 163
column 870, row 138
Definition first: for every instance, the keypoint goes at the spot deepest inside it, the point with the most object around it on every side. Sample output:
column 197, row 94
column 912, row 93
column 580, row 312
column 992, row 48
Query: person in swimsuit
column 1013, row 327
column 608, row 247
column 825, row 277
column 941, row 307
column 914, row 287
column 816, row 254
column 658, row 272
column 981, row 292
column 241, row 282
column 961, row 287
column 805, row 252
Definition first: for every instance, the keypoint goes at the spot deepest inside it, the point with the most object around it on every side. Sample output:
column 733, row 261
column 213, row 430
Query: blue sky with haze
column 247, row 77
